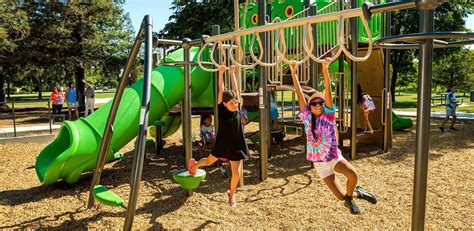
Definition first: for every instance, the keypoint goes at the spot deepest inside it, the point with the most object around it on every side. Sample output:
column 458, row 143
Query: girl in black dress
column 230, row 141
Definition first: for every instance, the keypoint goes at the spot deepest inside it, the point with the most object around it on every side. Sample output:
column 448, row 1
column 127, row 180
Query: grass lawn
column 32, row 99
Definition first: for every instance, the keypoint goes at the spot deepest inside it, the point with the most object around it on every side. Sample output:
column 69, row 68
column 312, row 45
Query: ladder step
column 107, row 197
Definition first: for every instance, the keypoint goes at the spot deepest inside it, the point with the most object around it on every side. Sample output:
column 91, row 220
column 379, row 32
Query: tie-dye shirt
column 323, row 147
column 207, row 133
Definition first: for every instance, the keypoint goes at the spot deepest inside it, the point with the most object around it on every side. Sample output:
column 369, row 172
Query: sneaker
column 362, row 194
column 441, row 128
column 452, row 128
column 232, row 201
column 350, row 203
column 223, row 171
column 190, row 167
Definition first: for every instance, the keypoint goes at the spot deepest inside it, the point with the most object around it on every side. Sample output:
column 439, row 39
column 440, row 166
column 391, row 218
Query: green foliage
column 191, row 19
column 64, row 40
column 450, row 16
column 454, row 68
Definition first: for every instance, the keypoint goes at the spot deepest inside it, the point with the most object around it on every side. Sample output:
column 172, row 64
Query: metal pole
column 263, row 97
column 354, row 49
column 216, row 31
column 238, row 75
column 49, row 112
column 14, row 119
column 187, row 135
column 387, row 137
column 314, row 65
column 423, row 122
column 141, row 141
column 105, row 144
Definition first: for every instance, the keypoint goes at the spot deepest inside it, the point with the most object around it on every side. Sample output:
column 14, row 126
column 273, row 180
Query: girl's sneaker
column 350, row 203
column 362, row 194
column 232, row 201
column 190, row 167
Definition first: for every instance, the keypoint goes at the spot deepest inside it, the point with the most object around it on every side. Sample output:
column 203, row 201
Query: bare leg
column 77, row 112
column 444, row 121
column 235, row 167
column 336, row 188
column 453, row 121
column 367, row 122
column 349, row 171
column 204, row 162
column 69, row 112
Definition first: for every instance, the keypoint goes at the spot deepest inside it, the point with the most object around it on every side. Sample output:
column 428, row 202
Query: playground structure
column 269, row 48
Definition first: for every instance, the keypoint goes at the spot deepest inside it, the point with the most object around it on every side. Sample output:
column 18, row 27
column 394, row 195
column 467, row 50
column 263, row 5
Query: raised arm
column 233, row 80
column 220, row 84
column 86, row 83
column 296, row 83
column 327, row 83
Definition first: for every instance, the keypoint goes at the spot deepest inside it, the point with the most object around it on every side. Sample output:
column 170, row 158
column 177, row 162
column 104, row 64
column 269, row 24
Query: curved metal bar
column 418, row 38
column 260, row 47
column 199, row 59
column 239, row 62
column 281, row 36
column 369, row 37
column 339, row 35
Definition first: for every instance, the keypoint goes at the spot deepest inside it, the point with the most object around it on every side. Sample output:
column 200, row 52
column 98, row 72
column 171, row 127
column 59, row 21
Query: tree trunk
column 40, row 93
column 80, row 86
column 8, row 89
column 2, row 91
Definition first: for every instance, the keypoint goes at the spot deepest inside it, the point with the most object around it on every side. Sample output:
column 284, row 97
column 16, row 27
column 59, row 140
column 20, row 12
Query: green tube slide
column 399, row 123
column 76, row 147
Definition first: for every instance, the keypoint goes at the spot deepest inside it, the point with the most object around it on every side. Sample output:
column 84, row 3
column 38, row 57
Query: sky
column 160, row 12
column 158, row 9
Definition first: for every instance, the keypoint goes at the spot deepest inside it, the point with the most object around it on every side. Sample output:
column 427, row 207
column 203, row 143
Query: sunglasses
column 314, row 104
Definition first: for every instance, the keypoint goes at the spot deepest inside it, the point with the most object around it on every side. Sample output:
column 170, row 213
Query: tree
column 13, row 27
column 455, row 68
column 68, row 38
column 191, row 19
column 449, row 16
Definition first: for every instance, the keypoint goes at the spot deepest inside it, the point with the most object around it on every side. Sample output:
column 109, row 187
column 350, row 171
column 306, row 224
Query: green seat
column 187, row 181
column 159, row 123
column 107, row 197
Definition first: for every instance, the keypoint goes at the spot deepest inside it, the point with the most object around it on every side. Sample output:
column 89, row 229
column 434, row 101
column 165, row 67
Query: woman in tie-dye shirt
column 319, row 121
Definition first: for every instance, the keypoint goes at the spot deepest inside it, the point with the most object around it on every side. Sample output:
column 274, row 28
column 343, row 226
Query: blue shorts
column 451, row 113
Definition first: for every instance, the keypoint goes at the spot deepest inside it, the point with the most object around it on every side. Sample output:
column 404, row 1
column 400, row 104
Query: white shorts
column 326, row 169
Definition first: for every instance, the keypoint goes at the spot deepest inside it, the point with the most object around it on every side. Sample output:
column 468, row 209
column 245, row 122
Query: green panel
column 375, row 25
column 107, row 197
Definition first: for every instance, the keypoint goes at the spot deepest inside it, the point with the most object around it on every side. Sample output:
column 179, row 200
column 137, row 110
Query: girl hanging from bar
column 230, row 140
column 318, row 116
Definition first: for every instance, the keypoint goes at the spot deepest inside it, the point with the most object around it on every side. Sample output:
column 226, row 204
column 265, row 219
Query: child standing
column 207, row 133
column 451, row 105
column 368, row 106
column 230, row 141
column 321, row 142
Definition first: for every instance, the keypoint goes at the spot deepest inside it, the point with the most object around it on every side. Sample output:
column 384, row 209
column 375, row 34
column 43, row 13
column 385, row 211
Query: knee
column 353, row 175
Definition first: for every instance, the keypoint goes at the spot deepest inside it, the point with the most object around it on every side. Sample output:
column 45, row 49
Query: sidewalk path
column 439, row 115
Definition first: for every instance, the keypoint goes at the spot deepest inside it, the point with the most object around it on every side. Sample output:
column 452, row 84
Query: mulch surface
column 292, row 197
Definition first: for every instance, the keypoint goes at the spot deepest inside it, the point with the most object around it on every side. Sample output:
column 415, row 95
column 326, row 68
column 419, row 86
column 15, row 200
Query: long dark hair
column 313, row 124
column 451, row 86
column 360, row 94
column 204, row 117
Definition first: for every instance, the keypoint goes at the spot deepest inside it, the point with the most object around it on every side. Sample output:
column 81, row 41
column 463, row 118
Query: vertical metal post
column 314, row 76
column 215, row 31
column 14, row 119
column 263, row 96
column 107, row 137
column 354, row 95
column 387, row 137
column 49, row 112
column 423, row 122
column 186, row 109
column 238, row 75
column 341, row 107
column 139, row 155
